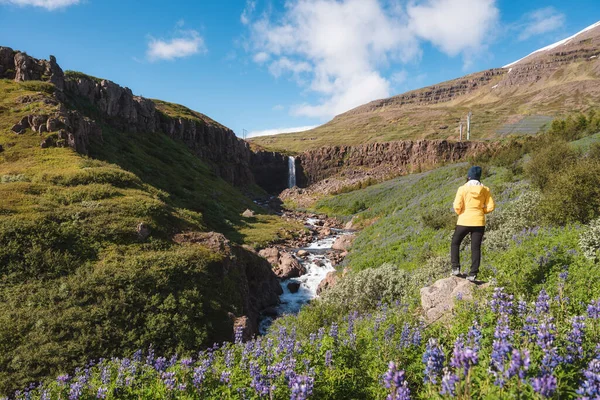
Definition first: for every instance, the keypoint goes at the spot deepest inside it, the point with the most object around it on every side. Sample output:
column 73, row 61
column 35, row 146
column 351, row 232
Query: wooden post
column 469, row 125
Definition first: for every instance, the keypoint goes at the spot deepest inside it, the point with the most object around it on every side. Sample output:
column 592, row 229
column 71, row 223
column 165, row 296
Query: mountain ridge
column 551, row 82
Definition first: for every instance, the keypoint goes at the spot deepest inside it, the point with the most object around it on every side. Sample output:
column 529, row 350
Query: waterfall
column 291, row 172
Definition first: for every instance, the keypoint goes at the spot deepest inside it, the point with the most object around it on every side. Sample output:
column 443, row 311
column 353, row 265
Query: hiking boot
column 472, row 278
column 455, row 271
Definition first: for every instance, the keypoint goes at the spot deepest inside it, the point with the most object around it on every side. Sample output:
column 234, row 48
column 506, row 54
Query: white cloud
column 337, row 48
column 261, row 57
column 399, row 77
column 47, row 4
column 270, row 132
column 541, row 21
column 186, row 44
column 454, row 26
column 247, row 13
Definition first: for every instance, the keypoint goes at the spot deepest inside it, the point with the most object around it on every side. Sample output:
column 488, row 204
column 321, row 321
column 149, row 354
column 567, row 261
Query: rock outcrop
column 438, row 300
column 20, row 67
column 391, row 158
column 230, row 157
column 256, row 284
column 343, row 242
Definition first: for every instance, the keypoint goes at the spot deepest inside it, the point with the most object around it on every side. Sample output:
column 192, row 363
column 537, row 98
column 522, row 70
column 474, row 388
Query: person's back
column 472, row 202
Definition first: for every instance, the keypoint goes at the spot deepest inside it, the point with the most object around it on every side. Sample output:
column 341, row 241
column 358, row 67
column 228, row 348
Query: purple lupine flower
column 433, row 358
column 168, row 379
column 463, row 357
column 389, row 333
column 312, row 338
column 575, row 339
column 474, row 336
column 593, row 309
column 228, row 357
column 259, row 382
column 186, row 362
column 239, row 334
column 63, row 379
column 449, row 381
column 320, row 334
column 75, row 390
column 530, row 326
column 545, row 385
column 590, row 387
column 501, row 303
column 225, row 377
column 501, row 348
column 545, row 340
column 333, row 331
column 519, row 364
column 542, row 304
column 395, row 381
column 328, row 358
column 45, row 395
column 405, row 337
column 417, row 336
column 172, row 361
column 160, row 364
column 200, row 373
column 137, row 356
column 301, row 386
column 521, row 308
column 150, row 356
column 101, row 393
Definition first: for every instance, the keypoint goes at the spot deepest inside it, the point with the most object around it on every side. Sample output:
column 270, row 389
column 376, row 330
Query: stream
column 317, row 264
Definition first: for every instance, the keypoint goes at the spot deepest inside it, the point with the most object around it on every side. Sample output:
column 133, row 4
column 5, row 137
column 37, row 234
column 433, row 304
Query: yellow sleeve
column 489, row 204
column 459, row 202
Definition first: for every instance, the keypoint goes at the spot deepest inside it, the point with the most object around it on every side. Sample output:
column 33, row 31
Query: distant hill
column 518, row 98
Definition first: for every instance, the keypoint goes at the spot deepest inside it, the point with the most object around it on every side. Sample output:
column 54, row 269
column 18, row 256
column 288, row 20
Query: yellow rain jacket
column 471, row 204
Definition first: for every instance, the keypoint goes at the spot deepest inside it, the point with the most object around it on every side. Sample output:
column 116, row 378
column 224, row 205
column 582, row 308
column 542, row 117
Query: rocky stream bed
column 306, row 266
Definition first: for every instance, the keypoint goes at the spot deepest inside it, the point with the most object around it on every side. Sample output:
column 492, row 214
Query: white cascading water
column 317, row 265
column 291, row 172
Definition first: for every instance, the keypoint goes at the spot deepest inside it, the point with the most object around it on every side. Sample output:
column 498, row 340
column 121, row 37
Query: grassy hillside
column 76, row 280
column 500, row 107
column 532, row 335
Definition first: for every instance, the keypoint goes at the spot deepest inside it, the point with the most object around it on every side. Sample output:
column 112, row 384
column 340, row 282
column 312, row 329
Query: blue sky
column 269, row 65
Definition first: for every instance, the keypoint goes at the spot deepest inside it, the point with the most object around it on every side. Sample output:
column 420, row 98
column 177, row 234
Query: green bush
column 549, row 160
column 589, row 240
column 438, row 217
column 364, row 290
column 573, row 195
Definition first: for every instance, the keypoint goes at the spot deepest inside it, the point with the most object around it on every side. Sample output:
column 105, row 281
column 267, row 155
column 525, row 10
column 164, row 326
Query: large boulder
column 289, row 267
column 438, row 300
column 271, row 254
column 343, row 243
column 327, row 283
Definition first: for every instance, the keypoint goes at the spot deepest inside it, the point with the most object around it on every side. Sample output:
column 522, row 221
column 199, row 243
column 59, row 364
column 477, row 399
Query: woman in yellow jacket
column 472, row 202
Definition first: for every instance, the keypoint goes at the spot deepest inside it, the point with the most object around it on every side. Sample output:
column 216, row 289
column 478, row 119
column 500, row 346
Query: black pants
column 476, row 237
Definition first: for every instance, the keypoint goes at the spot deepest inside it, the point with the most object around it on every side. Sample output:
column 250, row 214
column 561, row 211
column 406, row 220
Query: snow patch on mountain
column 554, row 45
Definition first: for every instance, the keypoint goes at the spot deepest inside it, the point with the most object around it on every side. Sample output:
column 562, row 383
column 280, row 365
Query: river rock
column 289, row 267
column 302, row 253
column 438, row 299
column 293, row 287
column 327, row 283
column 248, row 214
column 325, row 232
column 343, row 243
column 271, row 254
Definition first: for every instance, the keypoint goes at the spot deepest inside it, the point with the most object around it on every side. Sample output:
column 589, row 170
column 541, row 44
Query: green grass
column 76, row 281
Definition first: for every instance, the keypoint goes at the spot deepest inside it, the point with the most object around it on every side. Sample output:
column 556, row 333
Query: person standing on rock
column 472, row 202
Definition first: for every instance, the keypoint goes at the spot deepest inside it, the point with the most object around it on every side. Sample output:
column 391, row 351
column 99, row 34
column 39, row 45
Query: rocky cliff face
column 440, row 93
column 396, row 157
column 230, row 157
column 270, row 170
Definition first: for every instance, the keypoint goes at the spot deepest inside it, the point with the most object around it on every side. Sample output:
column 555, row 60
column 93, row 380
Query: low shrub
column 438, row 217
column 548, row 161
column 589, row 240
